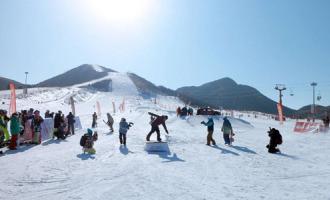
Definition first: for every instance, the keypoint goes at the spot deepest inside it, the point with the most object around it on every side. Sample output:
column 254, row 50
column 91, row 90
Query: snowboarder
column 87, row 141
column 123, row 128
column 110, row 122
column 275, row 139
column 156, row 121
column 71, row 120
column 36, row 127
column 14, row 130
column 210, row 129
column 94, row 123
column 58, row 130
column 227, row 131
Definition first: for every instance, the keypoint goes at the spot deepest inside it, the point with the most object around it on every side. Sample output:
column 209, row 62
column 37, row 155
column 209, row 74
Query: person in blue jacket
column 123, row 128
column 210, row 129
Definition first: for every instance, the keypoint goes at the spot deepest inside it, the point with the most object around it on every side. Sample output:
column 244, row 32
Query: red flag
column 98, row 106
column 12, row 107
column 280, row 112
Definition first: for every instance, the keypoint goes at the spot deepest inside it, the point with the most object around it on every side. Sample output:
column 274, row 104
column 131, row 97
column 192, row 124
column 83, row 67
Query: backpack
column 83, row 140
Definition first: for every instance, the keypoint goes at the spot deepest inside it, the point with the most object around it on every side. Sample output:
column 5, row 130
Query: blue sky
column 174, row 42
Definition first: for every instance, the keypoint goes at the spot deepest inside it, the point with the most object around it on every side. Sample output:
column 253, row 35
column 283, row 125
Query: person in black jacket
column 156, row 121
column 275, row 139
column 71, row 120
column 94, row 123
column 58, row 121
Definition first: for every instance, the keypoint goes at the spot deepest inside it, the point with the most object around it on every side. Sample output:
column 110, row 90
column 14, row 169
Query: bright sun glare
column 119, row 11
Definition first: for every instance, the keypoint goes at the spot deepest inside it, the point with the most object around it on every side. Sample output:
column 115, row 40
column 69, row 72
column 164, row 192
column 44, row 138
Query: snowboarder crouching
column 123, row 128
column 156, row 121
column 210, row 129
column 87, row 141
column 275, row 139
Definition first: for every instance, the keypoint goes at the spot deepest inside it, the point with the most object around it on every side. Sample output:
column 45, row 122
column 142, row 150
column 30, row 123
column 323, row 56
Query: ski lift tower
column 25, row 86
column 314, row 84
column 280, row 88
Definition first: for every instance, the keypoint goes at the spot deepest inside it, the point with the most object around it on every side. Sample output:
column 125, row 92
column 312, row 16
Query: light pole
column 313, row 106
column 25, row 89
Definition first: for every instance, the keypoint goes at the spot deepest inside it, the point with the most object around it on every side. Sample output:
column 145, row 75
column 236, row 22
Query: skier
column 123, row 128
column 36, row 127
column 71, row 120
column 94, row 123
column 210, row 129
column 87, row 141
column 110, row 122
column 14, row 130
column 275, row 139
column 184, row 112
column 227, row 131
column 156, row 121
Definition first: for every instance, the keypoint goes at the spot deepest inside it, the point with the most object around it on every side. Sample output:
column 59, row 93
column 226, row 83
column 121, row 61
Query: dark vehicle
column 207, row 111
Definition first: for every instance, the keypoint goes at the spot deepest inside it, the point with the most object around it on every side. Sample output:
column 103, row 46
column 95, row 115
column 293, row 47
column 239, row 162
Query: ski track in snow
column 192, row 170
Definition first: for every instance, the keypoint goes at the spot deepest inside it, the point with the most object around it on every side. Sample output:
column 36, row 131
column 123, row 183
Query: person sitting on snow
column 210, row 129
column 155, row 123
column 275, row 139
column 123, row 128
column 87, row 141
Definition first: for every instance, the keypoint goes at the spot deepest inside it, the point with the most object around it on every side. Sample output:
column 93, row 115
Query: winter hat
column 123, row 119
column 89, row 131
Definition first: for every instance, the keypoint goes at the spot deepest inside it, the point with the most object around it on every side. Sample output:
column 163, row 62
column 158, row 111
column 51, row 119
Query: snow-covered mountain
column 81, row 74
column 4, row 83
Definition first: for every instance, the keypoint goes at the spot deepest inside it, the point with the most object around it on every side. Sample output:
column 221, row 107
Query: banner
column 280, row 112
column 12, row 107
column 304, row 127
column 98, row 107
column 73, row 108
column 114, row 107
column 122, row 106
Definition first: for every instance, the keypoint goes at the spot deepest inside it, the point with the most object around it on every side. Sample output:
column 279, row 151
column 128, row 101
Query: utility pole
column 314, row 84
column 25, row 89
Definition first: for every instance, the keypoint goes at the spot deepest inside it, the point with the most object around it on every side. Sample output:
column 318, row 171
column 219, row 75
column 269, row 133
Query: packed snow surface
column 59, row 170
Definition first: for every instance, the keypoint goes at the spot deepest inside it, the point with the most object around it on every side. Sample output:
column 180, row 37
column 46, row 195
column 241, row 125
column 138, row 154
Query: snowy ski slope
column 192, row 170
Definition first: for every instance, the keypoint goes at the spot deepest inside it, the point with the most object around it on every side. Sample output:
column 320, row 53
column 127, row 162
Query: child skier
column 227, row 131
column 210, row 129
column 87, row 141
column 123, row 128
column 275, row 139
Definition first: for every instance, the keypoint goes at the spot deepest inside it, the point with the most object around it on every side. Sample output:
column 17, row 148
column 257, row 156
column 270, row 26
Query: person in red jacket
column 156, row 121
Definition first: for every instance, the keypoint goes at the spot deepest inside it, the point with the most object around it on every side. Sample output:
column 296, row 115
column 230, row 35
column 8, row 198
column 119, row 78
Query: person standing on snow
column 123, row 128
column 36, row 127
column 227, row 131
column 14, row 130
column 155, row 123
column 210, row 130
column 110, row 121
column 71, row 120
